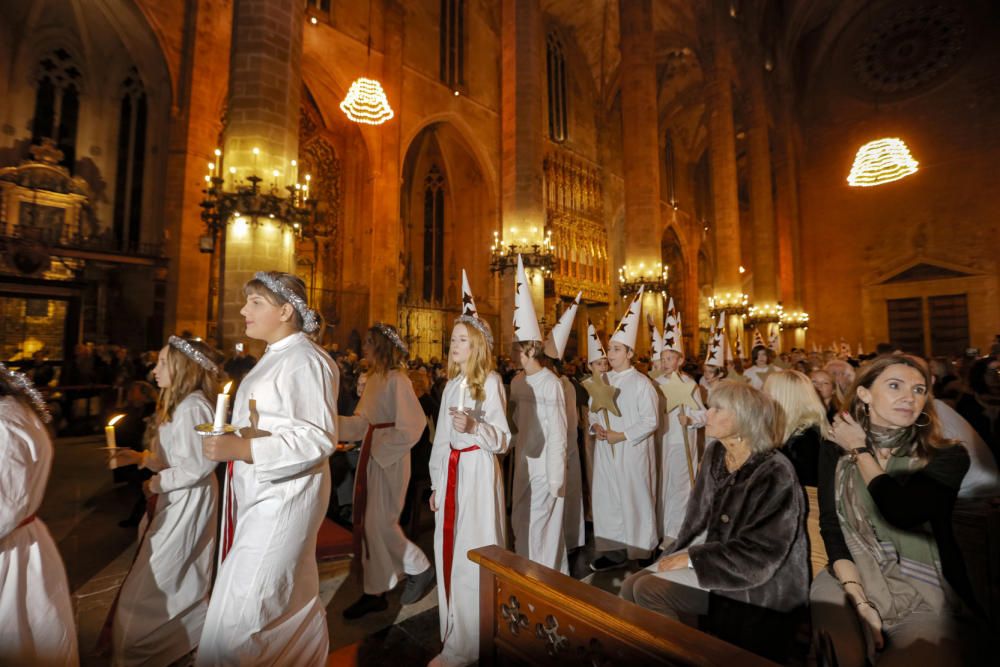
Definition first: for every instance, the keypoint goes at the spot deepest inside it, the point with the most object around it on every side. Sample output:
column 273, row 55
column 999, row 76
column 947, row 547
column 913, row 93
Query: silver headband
column 390, row 333
column 481, row 325
column 310, row 323
column 193, row 354
column 21, row 384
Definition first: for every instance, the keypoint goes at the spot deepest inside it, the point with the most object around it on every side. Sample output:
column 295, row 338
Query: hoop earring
column 926, row 423
column 868, row 409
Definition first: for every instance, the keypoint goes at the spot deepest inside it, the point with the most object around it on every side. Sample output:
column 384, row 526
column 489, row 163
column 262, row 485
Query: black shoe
column 417, row 586
column 366, row 604
column 604, row 563
column 646, row 562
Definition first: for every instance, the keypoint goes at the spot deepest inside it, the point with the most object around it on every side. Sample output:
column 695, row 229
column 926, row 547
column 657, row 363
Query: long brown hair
column 920, row 440
column 385, row 355
column 186, row 377
column 479, row 365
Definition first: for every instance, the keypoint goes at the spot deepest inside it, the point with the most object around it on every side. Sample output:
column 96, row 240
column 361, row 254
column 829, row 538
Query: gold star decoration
column 678, row 393
column 602, row 395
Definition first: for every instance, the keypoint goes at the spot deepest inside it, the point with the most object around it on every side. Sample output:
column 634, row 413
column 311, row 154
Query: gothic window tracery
column 452, row 48
column 130, row 162
column 433, row 287
column 57, row 103
column 555, row 67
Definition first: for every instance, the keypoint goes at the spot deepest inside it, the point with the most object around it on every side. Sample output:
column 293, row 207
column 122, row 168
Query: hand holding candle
column 221, row 408
column 109, row 436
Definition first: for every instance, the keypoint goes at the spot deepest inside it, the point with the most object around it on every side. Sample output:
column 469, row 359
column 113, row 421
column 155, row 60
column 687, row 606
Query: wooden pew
column 532, row 615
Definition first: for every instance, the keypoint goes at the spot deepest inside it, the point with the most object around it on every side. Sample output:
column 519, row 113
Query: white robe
column 625, row 473
column 674, row 477
column 163, row 600
column 387, row 399
column 265, row 608
column 480, row 516
column 539, row 411
column 755, row 375
column 36, row 615
column 573, row 526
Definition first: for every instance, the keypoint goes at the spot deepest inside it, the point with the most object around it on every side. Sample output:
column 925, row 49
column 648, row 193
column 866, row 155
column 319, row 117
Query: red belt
column 450, row 510
column 229, row 517
column 26, row 521
column 361, row 492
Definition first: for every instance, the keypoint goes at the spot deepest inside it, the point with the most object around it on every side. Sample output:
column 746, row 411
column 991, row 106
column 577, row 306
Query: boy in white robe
column 36, row 615
column 597, row 362
column 265, row 608
column 625, row 458
column 388, row 421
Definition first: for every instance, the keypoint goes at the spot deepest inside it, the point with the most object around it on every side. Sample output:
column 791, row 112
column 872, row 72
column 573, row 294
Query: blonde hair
column 186, row 377
column 757, row 417
column 479, row 365
column 801, row 407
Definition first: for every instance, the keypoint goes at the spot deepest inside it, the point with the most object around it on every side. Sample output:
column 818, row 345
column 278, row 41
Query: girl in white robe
column 388, row 421
column 265, row 608
column 539, row 413
column 161, row 606
column 36, row 615
column 625, row 466
column 471, row 432
column 573, row 521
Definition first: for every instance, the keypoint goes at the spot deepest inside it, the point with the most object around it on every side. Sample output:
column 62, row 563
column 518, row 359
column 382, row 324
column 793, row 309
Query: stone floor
column 82, row 509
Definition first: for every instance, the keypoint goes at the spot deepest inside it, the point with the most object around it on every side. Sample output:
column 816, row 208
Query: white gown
column 539, row 410
column 674, row 478
column 36, row 615
column 575, row 532
column 757, row 375
column 265, row 608
column 387, row 399
column 480, row 516
column 625, row 473
column 163, row 600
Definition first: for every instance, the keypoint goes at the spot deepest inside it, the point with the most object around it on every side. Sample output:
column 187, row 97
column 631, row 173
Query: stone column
column 265, row 84
column 786, row 173
column 387, row 241
column 640, row 148
column 522, row 150
column 194, row 133
column 765, row 268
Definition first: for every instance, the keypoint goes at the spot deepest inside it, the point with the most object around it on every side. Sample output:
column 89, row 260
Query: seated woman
column 743, row 537
column 896, row 590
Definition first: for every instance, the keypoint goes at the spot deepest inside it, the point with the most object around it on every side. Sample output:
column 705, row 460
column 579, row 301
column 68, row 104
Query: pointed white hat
column 595, row 349
column 739, row 347
column 775, row 343
column 758, row 340
column 718, row 346
column 525, row 320
column 655, row 338
column 555, row 344
column 672, row 339
column 628, row 328
column 468, row 304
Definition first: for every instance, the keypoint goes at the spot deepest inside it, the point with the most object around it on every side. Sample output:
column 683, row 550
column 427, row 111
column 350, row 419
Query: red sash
column 26, row 521
column 361, row 492
column 229, row 517
column 450, row 511
column 104, row 639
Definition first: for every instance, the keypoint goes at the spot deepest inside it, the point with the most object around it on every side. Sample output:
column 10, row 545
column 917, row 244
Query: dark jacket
column 755, row 548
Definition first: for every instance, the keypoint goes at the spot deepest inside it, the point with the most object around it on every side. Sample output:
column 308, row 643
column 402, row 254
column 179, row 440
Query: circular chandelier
column 881, row 161
column 366, row 103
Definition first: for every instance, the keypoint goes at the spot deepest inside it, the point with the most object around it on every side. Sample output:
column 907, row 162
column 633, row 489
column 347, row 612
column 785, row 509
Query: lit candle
column 232, row 173
column 109, row 437
column 221, row 405
column 256, row 152
column 461, row 395
column 295, row 171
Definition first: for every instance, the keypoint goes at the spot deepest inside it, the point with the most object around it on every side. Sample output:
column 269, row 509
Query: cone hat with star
column 628, row 328
column 525, row 321
column 468, row 303
column 672, row 339
column 655, row 338
column 555, row 343
column 595, row 349
column 718, row 347
column 758, row 340
column 775, row 343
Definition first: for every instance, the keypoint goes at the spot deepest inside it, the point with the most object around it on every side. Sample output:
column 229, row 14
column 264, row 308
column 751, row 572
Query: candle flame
column 225, row 390
column 114, row 420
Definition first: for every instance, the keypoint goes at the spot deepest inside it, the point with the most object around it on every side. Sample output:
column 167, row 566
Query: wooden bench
column 533, row 615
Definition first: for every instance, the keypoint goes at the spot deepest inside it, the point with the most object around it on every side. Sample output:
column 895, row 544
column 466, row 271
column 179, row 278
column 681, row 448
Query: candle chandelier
column 731, row 304
column 535, row 255
column 366, row 101
column 653, row 278
column 766, row 313
column 881, row 161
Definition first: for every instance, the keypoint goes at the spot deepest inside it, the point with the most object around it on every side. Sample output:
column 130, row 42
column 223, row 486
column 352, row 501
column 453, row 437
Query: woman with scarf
column 886, row 496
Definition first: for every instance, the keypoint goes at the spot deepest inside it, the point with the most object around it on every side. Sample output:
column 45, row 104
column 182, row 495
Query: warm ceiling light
column 882, row 161
column 366, row 103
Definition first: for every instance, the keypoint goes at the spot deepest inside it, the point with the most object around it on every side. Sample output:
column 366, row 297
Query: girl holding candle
column 388, row 421
column 265, row 607
column 161, row 606
column 467, row 498
column 36, row 616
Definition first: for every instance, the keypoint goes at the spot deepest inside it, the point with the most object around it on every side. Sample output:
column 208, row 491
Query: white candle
column 461, row 395
column 221, row 406
column 109, row 437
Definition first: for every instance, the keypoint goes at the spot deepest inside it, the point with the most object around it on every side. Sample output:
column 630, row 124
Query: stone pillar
column 265, row 84
column 194, row 132
column 641, row 155
column 765, row 268
column 387, row 241
column 522, row 150
column 786, row 173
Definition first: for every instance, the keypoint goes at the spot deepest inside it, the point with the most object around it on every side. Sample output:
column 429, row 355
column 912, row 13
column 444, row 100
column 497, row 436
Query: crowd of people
column 737, row 498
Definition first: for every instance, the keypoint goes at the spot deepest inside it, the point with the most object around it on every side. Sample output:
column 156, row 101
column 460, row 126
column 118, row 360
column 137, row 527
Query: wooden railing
column 530, row 614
